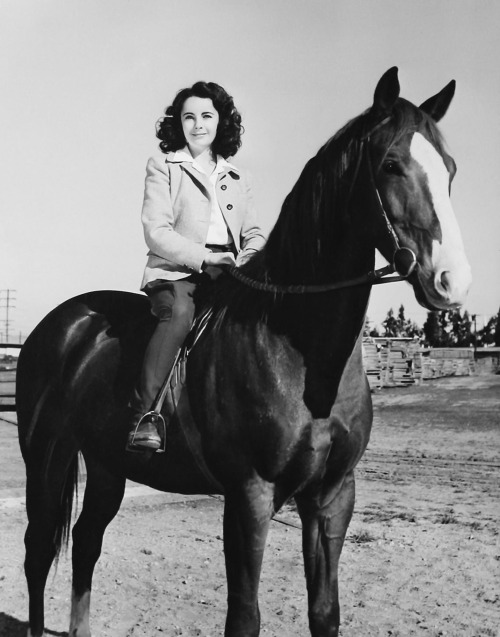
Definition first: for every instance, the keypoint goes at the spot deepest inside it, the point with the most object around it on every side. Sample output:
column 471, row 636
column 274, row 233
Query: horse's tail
column 52, row 476
column 68, row 495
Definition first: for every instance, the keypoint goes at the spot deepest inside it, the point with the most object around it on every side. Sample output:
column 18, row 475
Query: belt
column 216, row 247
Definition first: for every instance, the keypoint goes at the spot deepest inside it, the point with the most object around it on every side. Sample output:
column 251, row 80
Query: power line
column 7, row 300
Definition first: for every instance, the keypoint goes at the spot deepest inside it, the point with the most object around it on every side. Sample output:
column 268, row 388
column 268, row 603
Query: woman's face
column 199, row 120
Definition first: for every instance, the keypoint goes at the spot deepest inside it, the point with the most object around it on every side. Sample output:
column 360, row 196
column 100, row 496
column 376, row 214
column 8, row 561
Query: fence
column 454, row 361
column 8, row 378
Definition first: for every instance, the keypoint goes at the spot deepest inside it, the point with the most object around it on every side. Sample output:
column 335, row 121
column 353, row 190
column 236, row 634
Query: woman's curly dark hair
column 229, row 130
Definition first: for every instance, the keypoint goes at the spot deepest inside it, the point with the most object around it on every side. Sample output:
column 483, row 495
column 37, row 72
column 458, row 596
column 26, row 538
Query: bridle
column 404, row 260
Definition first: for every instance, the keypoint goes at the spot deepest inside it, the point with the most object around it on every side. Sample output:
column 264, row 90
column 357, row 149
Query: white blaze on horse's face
column 451, row 270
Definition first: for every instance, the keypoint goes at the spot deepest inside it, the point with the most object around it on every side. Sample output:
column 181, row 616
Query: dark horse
column 279, row 400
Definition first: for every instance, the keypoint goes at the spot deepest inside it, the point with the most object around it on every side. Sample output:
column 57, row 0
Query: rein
column 404, row 260
column 375, row 277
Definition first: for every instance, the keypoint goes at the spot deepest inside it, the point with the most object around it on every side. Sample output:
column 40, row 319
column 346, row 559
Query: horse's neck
column 327, row 321
column 325, row 327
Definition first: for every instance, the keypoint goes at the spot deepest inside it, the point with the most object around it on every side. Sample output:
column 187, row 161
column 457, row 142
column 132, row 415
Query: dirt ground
column 422, row 556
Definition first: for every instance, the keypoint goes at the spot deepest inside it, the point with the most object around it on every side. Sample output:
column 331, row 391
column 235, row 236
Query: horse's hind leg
column 103, row 497
column 49, row 494
column 325, row 517
column 247, row 515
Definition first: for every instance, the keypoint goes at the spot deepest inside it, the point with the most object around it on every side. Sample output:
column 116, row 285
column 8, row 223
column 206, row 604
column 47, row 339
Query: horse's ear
column 437, row 105
column 386, row 93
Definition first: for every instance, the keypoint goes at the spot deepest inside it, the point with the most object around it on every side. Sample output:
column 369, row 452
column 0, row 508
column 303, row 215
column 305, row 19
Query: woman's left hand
column 214, row 262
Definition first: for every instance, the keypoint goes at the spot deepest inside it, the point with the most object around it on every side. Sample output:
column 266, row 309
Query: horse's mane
column 306, row 233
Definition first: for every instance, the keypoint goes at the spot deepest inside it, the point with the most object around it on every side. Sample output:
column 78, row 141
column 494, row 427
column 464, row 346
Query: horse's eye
column 391, row 167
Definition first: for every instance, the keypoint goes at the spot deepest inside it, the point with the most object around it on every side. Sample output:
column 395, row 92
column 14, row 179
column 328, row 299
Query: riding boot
column 159, row 358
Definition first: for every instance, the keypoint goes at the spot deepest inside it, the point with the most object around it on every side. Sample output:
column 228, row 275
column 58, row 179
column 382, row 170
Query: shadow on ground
column 12, row 627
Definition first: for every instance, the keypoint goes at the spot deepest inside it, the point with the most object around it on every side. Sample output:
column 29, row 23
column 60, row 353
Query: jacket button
column 229, row 206
column 223, row 187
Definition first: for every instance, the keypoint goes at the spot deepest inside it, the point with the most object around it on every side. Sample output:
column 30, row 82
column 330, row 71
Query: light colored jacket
column 176, row 216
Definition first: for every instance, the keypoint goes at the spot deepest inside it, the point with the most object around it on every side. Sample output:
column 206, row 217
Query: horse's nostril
column 443, row 282
column 451, row 287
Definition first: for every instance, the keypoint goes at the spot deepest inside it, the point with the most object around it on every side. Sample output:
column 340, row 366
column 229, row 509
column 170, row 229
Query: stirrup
column 161, row 427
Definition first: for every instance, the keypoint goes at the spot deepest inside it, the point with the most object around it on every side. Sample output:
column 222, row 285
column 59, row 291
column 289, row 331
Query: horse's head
column 412, row 173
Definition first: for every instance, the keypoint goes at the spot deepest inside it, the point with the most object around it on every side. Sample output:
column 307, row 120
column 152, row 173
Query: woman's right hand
column 219, row 258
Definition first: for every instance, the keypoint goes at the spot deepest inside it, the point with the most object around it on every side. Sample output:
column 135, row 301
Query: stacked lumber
column 399, row 367
column 389, row 364
column 371, row 362
column 399, row 363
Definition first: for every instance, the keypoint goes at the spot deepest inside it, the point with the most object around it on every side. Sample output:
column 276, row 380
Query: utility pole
column 474, row 320
column 7, row 298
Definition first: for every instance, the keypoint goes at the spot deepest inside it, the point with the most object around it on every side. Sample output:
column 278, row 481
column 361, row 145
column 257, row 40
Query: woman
column 197, row 215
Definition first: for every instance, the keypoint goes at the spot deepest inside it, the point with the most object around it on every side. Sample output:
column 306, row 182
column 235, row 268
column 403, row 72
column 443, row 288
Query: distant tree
column 368, row 330
column 460, row 333
column 444, row 337
column 432, row 329
column 448, row 328
column 413, row 330
column 401, row 316
column 390, row 324
column 466, row 330
column 407, row 327
column 397, row 326
column 490, row 333
column 451, row 328
column 366, row 326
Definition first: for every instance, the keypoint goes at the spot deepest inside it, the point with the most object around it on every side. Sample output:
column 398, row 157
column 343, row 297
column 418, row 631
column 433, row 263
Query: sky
column 84, row 81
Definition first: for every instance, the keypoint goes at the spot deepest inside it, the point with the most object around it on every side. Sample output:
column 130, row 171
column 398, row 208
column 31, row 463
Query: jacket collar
column 185, row 158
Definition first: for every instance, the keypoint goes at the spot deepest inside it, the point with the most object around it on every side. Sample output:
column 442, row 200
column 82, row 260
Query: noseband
column 404, row 260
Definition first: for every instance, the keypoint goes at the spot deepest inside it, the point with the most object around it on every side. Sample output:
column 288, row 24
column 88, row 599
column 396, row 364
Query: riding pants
column 172, row 304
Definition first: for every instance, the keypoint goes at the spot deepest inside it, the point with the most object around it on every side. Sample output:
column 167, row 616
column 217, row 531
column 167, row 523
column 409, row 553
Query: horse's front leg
column 325, row 517
column 247, row 514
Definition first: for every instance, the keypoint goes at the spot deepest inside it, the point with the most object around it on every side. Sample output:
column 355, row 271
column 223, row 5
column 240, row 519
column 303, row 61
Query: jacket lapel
column 199, row 178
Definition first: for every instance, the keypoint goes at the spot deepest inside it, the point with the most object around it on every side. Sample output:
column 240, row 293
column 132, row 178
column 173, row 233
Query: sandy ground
column 422, row 555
